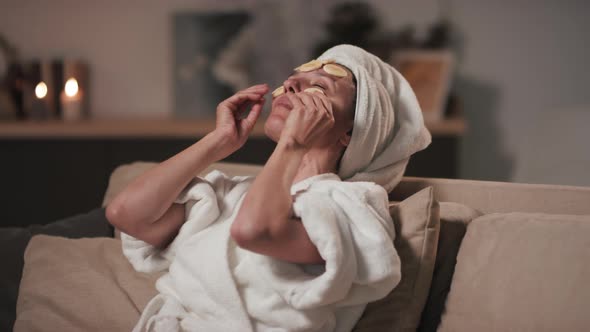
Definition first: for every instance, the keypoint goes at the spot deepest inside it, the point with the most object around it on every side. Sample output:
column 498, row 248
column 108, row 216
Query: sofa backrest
column 484, row 196
column 491, row 197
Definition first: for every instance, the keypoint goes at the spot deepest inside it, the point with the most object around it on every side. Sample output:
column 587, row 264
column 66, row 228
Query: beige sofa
column 476, row 256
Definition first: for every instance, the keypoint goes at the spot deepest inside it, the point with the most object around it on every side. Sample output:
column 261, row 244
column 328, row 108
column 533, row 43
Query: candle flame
column 71, row 88
column 41, row 90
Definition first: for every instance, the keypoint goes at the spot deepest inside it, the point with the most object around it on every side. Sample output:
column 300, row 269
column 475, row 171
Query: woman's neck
column 317, row 162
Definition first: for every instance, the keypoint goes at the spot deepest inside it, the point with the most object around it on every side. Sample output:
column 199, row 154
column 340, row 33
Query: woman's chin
column 273, row 127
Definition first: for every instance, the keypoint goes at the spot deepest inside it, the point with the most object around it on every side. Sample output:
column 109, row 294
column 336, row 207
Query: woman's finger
column 259, row 94
column 248, row 122
column 238, row 99
column 258, row 86
column 326, row 104
column 259, row 90
column 318, row 103
column 315, row 104
column 243, row 96
column 307, row 101
column 294, row 99
column 262, row 88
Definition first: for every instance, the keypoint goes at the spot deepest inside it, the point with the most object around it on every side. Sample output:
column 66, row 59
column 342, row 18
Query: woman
column 309, row 142
column 297, row 210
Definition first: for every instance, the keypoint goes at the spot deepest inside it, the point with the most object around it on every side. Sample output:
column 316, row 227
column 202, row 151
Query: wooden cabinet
column 51, row 170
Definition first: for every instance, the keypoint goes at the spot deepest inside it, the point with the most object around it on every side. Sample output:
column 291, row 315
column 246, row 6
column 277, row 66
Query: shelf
column 156, row 128
column 455, row 126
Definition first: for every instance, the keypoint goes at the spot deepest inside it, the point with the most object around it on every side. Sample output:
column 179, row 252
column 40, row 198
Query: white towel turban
column 388, row 124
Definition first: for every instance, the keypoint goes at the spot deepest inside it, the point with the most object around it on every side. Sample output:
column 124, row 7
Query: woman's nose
column 292, row 86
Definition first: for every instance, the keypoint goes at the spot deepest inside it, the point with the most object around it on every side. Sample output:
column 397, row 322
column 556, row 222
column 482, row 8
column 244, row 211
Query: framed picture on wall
column 429, row 73
column 199, row 39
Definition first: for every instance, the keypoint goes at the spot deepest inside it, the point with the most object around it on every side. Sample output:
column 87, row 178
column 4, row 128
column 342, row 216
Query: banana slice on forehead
column 278, row 91
column 315, row 90
column 309, row 66
column 335, row 70
column 329, row 65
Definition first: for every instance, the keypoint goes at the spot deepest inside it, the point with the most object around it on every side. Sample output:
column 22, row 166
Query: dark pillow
column 14, row 241
column 454, row 218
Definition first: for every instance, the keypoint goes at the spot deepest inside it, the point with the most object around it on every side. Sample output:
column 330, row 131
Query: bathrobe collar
column 306, row 183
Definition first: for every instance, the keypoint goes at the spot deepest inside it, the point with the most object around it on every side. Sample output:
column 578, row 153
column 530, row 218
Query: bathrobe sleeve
column 350, row 224
column 202, row 198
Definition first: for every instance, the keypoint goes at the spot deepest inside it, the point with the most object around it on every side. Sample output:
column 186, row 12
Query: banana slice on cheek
column 278, row 91
column 315, row 90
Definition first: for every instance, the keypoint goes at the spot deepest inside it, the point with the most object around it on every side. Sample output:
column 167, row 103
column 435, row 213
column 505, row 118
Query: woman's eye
column 319, row 86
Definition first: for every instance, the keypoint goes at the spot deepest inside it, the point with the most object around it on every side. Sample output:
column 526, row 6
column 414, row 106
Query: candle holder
column 38, row 91
column 74, row 92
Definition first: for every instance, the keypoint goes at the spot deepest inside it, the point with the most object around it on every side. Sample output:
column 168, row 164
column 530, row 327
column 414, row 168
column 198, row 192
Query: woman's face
column 340, row 91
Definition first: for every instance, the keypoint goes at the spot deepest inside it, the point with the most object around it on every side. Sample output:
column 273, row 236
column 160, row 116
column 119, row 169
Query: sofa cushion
column 80, row 285
column 416, row 221
column 14, row 241
column 454, row 218
column 521, row 272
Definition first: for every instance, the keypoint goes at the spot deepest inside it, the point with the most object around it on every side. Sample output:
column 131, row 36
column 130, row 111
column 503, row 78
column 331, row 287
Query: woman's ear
column 345, row 139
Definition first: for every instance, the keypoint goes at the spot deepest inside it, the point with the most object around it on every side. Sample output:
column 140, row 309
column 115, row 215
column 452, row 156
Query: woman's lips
column 283, row 101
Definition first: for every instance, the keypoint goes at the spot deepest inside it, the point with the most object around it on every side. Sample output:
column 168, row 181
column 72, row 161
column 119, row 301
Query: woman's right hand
column 310, row 118
column 231, row 127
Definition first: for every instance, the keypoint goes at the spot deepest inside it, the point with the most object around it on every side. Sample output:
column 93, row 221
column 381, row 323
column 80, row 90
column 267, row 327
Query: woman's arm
column 145, row 209
column 265, row 223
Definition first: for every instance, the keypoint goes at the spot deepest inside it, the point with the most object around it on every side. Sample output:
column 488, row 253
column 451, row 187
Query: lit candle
column 41, row 90
column 39, row 105
column 71, row 101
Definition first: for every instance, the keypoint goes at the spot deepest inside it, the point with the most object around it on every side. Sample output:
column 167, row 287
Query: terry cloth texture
column 388, row 123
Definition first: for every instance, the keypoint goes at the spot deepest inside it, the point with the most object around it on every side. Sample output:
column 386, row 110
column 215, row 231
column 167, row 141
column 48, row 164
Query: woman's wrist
column 288, row 154
column 221, row 145
column 288, row 143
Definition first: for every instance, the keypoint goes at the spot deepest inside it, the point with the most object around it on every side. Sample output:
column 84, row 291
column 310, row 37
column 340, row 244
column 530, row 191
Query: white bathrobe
column 211, row 284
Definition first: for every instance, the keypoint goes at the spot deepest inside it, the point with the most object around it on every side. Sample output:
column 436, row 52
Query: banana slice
column 335, row 70
column 315, row 90
column 309, row 66
column 278, row 91
column 327, row 61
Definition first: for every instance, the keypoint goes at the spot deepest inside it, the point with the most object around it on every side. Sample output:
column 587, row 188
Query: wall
column 127, row 44
column 524, row 78
column 522, row 72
